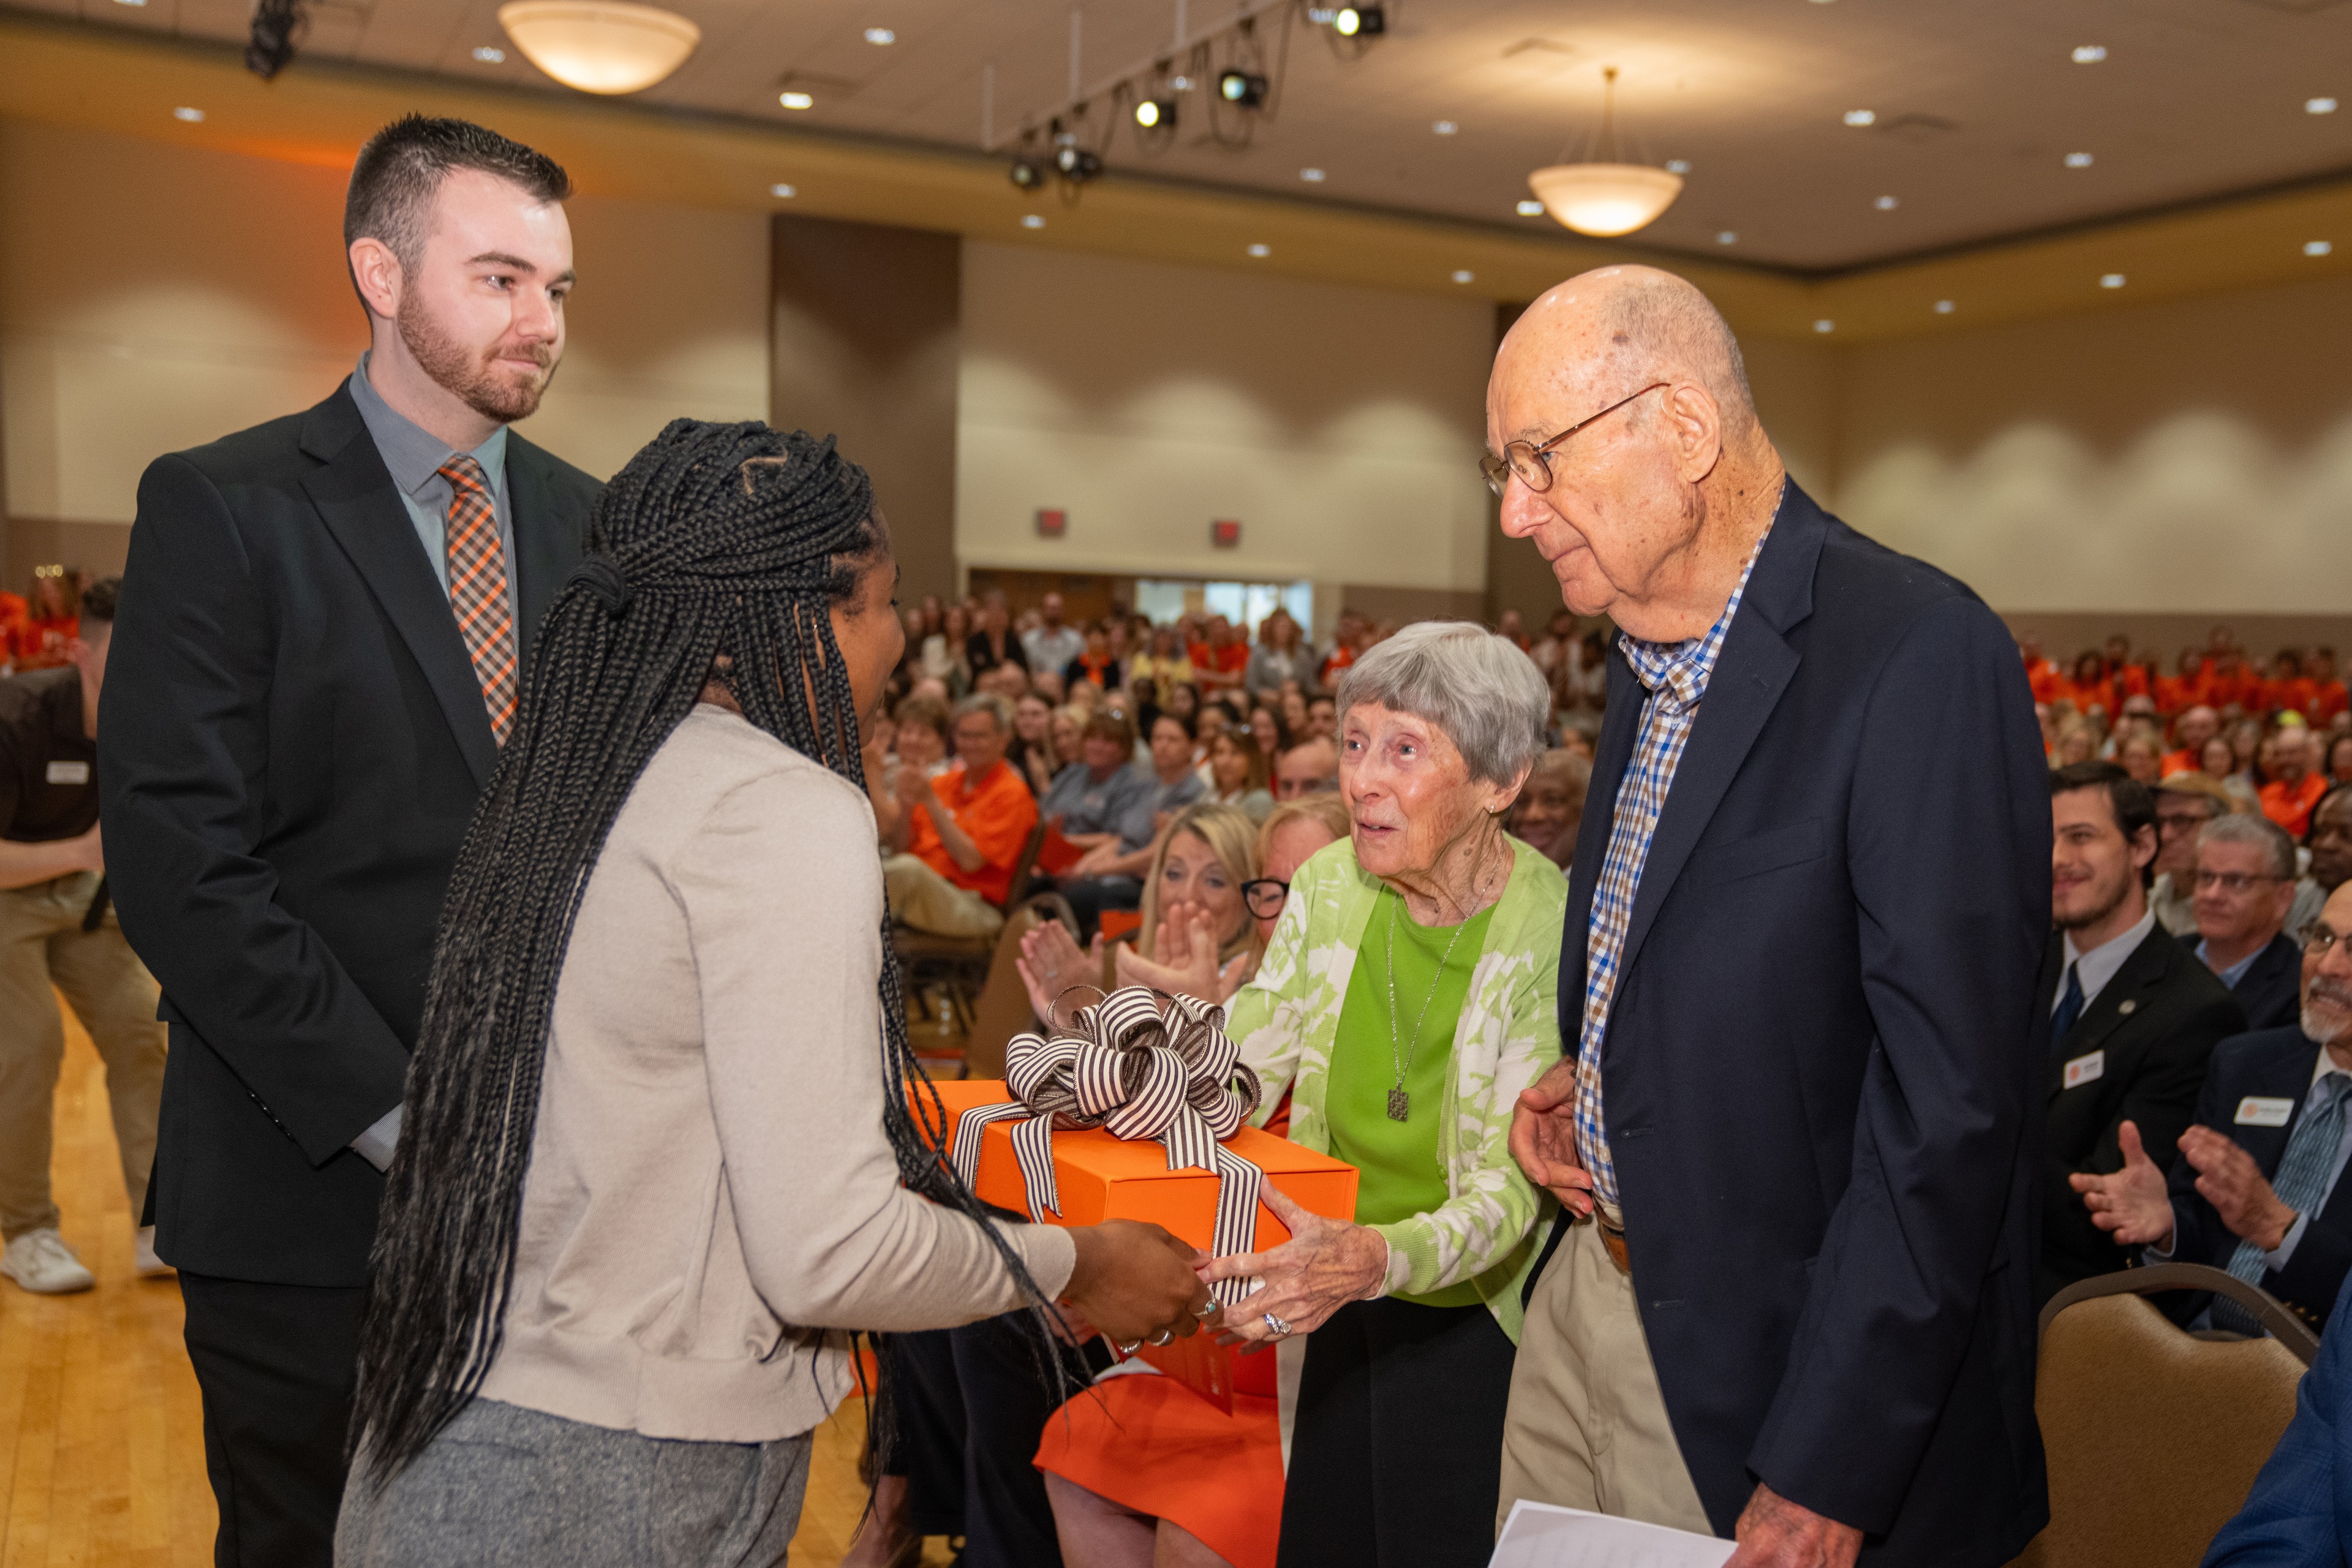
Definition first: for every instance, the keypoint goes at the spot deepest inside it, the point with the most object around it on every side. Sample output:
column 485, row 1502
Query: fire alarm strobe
column 1052, row 522
column 1224, row 533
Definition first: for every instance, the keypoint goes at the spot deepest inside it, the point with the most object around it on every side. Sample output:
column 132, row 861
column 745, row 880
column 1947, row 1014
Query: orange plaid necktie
column 478, row 589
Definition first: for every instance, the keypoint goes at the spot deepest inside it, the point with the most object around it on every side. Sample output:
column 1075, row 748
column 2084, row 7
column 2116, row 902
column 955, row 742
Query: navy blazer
column 2271, row 990
column 2275, row 1064
column 2299, row 1513
column 295, row 742
column 1822, row 1072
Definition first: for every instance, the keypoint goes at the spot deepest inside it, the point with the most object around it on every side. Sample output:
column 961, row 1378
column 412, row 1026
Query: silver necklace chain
column 1400, row 1102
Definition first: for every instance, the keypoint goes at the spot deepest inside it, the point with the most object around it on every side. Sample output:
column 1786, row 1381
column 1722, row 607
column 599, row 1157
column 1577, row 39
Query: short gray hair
column 2240, row 829
column 1488, row 696
column 991, row 703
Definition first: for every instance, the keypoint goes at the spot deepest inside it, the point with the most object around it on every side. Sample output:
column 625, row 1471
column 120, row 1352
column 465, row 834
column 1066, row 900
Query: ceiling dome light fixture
column 1604, row 196
column 607, row 47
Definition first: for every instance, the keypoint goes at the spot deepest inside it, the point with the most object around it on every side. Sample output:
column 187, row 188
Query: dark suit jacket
column 2275, row 1064
column 2148, row 1033
column 2299, row 1510
column 1823, row 1065
column 295, row 741
column 2271, row 990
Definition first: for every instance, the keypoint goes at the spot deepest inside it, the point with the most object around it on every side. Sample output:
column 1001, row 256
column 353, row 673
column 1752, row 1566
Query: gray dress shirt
column 415, row 456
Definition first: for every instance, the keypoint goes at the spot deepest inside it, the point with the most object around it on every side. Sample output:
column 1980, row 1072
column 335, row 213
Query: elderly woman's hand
column 1051, row 964
column 1325, row 1265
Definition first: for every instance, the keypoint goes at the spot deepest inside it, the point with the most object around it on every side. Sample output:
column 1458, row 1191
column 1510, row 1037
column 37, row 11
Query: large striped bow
column 1124, row 1065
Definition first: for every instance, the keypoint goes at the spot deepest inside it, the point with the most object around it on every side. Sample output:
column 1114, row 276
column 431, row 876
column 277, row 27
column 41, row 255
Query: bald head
column 1648, row 511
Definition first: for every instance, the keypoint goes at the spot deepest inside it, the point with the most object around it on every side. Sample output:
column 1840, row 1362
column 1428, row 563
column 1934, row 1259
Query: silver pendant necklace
column 1399, row 1057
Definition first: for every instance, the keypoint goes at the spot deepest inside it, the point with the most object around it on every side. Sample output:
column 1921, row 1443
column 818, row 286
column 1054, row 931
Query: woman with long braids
column 657, row 1136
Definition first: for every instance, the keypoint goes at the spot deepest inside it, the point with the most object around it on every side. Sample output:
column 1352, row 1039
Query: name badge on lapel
column 2085, row 1069
column 2261, row 1110
column 70, row 773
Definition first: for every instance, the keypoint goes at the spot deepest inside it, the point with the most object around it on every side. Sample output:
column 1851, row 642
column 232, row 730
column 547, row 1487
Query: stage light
column 1027, row 173
column 1151, row 113
column 605, row 46
column 1075, row 163
column 1245, row 89
column 270, row 44
column 1359, row 21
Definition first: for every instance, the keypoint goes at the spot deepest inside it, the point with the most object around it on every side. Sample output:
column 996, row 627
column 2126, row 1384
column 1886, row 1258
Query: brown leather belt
column 1614, row 1240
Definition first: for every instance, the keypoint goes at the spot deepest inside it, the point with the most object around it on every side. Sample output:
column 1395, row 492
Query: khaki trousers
column 1588, row 1427
column 42, row 944
column 921, row 898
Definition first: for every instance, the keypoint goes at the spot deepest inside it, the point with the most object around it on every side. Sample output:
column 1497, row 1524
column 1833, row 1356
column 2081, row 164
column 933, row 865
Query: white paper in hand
column 1538, row 1535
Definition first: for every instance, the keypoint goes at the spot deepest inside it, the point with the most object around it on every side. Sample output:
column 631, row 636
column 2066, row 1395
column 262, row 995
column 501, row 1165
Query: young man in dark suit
column 2245, row 892
column 319, row 648
column 2134, row 1015
column 2259, row 1188
column 1794, row 1129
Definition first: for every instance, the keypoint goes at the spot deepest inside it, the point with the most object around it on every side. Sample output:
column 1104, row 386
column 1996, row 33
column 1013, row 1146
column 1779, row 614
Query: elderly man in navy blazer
column 2300, row 1513
column 1794, row 1132
column 2258, row 1190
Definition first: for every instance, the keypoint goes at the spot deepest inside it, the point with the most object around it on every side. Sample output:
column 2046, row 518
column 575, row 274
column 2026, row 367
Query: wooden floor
column 101, row 1437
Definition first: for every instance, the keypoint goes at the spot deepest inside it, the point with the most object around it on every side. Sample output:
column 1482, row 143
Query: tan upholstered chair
column 2154, row 1435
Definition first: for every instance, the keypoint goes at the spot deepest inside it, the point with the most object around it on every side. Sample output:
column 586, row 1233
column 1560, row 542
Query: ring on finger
column 1275, row 1325
column 1211, row 1312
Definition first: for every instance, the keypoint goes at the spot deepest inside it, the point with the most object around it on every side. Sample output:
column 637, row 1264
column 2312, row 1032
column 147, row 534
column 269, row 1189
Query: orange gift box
column 1099, row 1177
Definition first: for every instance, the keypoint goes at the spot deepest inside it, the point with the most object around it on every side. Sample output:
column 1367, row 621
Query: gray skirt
column 504, row 1487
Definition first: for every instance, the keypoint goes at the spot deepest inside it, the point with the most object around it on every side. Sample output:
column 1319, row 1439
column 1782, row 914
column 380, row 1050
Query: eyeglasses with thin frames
column 1531, row 461
column 2233, row 882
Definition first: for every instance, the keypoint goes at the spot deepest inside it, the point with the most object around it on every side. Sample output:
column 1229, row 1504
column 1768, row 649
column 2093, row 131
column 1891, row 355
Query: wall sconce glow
column 1605, row 199
column 1861, row 117
column 188, row 116
column 606, row 46
column 1463, row 275
column 786, row 192
column 1261, row 251
column 1825, row 326
column 2317, row 247
column 2111, row 279
column 2078, row 160
column 796, row 101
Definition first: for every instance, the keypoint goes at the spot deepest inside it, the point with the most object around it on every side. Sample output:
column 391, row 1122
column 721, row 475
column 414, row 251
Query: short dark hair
column 401, row 167
column 98, row 600
column 1182, row 720
column 2133, row 802
column 1109, row 724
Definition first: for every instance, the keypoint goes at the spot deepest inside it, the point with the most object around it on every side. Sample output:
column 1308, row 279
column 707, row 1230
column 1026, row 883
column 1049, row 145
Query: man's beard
column 456, row 369
column 2326, row 1027
column 2093, row 917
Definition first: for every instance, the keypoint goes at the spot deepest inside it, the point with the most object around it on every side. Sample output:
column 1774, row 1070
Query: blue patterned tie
column 2301, row 1184
column 2070, row 1007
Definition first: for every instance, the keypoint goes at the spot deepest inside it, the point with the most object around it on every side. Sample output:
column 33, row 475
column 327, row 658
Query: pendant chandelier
column 600, row 46
column 1605, row 197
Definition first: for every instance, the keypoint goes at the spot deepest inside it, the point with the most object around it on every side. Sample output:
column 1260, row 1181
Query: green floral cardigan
column 1491, row 1227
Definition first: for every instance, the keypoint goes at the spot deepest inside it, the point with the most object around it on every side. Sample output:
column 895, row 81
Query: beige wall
column 2193, row 456
column 1340, row 426
column 155, row 297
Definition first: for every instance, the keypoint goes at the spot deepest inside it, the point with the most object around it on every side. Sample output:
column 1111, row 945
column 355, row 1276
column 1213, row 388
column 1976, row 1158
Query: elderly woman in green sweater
column 1408, row 995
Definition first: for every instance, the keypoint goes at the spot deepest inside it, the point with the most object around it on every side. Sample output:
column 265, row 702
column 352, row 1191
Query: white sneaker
column 42, row 1263
column 143, row 1262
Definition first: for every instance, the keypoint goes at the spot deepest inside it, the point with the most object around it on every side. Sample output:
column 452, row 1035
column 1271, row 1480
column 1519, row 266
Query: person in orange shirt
column 2089, row 687
column 2128, row 679
column 2177, row 694
column 957, row 838
column 16, row 624
column 2288, row 690
column 2190, row 731
column 2288, row 798
column 41, row 641
column 2328, row 695
column 2230, row 684
column 2041, row 674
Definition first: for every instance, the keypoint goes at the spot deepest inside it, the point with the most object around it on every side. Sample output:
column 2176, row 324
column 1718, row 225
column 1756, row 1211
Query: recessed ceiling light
column 1181, row 83
column 1861, row 117
column 134, row 5
column 1886, row 204
column 2090, row 54
column 1531, row 209
column 2319, row 106
column 1261, row 250
column 482, row 52
column 2078, row 160
column 2111, row 279
column 193, row 116
column 1033, row 221
column 1444, row 127
column 787, row 192
column 796, row 101
column 1463, row 275
column 1678, row 165
column 1726, row 238
column 1321, row 14
column 880, row 35
column 2317, row 247
column 1825, row 326
column 1312, row 176
column 1943, row 307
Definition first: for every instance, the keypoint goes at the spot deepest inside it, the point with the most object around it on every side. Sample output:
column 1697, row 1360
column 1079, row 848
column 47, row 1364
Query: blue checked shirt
column 1676, row 676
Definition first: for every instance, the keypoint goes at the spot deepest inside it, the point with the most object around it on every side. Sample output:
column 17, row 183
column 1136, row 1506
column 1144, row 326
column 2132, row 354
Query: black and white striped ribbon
column 1127, row 1068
